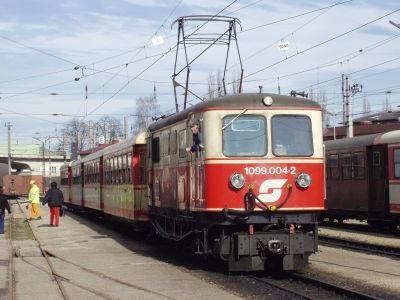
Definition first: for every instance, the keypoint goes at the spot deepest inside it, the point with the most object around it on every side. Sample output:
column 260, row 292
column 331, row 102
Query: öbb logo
column 271, row 190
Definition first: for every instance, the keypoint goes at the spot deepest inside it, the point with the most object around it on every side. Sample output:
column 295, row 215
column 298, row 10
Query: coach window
column 396, row 160
column 113, row 168
column 376, row 165
column 105, row 170
column 173, row 142
column 128, row 168
column 182, row 143
column 142, row 168
column 333, row 167
column 155, row 150
column 109, row 175
column 244, row 135
column 122, row 166
column 292, row 135
column 345, row 161
column 358, row 165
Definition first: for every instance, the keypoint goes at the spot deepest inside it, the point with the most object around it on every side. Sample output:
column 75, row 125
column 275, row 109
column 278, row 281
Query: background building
column 31, row 159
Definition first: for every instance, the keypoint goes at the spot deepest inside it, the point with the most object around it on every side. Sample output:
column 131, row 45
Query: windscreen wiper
column 244, row 110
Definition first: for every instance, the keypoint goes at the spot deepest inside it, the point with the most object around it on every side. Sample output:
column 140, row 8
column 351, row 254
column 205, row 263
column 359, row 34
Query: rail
column 360, row 246
column 293, row 283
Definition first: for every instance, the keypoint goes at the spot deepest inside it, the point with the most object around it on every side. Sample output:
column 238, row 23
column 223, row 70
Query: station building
column 31, row 159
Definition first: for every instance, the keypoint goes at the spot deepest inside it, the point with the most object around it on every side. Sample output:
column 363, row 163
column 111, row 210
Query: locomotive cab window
column 244, row 135
column 292, row 136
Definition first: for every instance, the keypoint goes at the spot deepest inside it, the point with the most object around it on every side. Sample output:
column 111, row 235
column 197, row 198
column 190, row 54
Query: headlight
column 237, row 181
column 303, row 180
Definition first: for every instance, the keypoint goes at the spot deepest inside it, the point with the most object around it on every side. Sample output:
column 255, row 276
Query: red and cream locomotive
column 239, row 177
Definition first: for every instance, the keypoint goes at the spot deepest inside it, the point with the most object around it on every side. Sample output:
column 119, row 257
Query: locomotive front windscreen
column 292, row 135
column 244, row 135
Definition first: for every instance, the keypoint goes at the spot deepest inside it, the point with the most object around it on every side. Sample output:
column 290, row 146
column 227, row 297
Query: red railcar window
column 345, row 161
column 376, row 165
column 333, row 167
column 396, row 160
column 358, row 165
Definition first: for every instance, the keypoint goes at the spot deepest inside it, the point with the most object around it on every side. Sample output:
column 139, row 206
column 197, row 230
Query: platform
column 94, row 262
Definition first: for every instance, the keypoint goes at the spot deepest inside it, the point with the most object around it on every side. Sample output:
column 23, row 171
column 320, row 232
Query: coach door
column 378, row 174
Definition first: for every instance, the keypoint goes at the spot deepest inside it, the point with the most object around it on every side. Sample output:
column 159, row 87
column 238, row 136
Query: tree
column 146, row 108
column 108, row 127
column 366, row 107
column 320, row 98
column 235, row 85
column 76, row 131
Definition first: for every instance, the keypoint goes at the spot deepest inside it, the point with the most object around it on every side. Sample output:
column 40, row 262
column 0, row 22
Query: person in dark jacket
column 55, row 199
column 196, row 146
column 3, row 207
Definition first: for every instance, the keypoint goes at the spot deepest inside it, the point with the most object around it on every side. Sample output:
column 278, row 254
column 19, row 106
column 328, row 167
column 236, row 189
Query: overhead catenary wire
column 295, row 16
column 322, row 43
column 318, row 45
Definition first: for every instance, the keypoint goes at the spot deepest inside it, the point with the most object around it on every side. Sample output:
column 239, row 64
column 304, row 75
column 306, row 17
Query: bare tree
column 216, row 86
column 366, row 106
column 235, row 84
column 76, row 131
column 108, row 127
column 211, row 86
column 146, row 108
column 320, row 98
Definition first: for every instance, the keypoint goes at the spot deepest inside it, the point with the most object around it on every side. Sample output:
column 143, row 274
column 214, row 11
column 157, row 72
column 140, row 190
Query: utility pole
column 63, row 147
column 43, row 167
column 91, row 141
column 349, row 108
column 8, row 125
column 126, row 126
column 350, row 90
column 344, row 89
column 49, row 160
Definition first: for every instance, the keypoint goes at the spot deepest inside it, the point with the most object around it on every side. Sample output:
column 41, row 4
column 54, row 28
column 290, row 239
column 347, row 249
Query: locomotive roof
column 364, row 140
column 237, row 101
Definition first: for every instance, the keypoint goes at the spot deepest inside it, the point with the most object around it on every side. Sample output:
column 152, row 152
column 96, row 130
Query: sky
column 52, row 51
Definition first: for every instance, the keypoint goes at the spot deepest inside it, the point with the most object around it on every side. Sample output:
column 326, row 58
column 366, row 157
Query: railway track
column 360, row 246
column 305, row 287
column 53, row 272
column 59, row 278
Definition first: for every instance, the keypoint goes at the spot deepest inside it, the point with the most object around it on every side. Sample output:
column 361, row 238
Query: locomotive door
column 378, row 179
column 195, row 167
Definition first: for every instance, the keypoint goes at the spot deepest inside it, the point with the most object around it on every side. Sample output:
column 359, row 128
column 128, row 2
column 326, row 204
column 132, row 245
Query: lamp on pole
column 43, row 141
column 8, row 125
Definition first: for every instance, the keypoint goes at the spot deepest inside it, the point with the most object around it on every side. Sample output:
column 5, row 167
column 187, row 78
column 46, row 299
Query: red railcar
column 363, row 179
column 19, row 184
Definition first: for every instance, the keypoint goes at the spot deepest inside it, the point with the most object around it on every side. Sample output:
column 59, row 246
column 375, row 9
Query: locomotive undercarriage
column 248, row 242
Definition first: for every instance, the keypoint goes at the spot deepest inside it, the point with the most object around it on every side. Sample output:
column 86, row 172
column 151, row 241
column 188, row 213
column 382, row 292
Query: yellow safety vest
column 34, row 194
